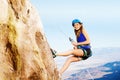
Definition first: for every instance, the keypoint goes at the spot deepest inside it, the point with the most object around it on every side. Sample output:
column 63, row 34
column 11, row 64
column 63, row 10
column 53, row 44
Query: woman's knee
column 74, row 51
column 77, row 52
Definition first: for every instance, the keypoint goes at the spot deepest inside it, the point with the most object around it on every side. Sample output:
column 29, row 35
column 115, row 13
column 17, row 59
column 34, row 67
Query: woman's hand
column 74, row 44
column 75, row 47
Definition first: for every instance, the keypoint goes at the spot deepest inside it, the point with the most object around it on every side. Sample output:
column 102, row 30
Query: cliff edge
column 24, row 51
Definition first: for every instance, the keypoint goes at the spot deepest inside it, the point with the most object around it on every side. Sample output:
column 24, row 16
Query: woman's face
column 77, row 26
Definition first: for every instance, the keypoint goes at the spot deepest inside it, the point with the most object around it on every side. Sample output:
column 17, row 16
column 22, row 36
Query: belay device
column 71, row 40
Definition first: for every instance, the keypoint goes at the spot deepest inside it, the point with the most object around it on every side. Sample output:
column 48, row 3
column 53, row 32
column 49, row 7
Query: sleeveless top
column 82, row 38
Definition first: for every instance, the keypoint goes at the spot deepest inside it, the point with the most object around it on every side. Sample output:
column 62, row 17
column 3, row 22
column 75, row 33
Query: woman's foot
column 53, row 53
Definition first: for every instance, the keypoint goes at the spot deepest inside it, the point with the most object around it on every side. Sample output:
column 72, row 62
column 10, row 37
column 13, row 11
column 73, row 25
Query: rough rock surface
column 24, row 51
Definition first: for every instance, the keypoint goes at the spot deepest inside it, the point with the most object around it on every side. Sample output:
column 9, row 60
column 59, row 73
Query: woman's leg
column 67, row 63
column 76, row 52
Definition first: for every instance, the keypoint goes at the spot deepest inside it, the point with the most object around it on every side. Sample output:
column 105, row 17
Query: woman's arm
column 87, row 41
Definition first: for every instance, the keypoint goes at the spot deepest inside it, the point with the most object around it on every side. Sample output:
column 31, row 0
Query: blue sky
column 100, row 18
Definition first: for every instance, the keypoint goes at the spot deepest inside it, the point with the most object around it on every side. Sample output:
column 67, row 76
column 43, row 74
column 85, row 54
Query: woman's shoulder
column 83, row 30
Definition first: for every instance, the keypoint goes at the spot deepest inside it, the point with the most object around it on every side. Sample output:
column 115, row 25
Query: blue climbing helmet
column 76, row 21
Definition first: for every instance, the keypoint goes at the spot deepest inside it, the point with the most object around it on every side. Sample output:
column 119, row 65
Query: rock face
column 24, row 51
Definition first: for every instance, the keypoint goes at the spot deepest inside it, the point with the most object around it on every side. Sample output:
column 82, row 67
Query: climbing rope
column 63, row 32
column 89, row 73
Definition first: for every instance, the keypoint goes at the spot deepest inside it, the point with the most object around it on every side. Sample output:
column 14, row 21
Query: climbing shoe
column 53, row 53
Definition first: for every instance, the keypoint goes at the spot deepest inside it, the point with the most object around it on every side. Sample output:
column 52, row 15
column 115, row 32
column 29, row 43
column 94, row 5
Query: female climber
column 82, row 48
